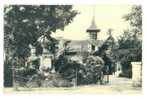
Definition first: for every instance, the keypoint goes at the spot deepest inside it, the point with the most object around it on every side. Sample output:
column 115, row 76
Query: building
column 93, row 42
column 91, row 45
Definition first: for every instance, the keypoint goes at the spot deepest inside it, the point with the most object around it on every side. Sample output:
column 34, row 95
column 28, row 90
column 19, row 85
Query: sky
column 106, row 16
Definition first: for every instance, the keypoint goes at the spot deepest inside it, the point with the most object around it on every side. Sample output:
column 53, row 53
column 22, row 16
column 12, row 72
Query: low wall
column 137, row 74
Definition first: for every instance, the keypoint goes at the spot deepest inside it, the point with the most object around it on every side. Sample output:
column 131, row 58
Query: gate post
column 137, row 74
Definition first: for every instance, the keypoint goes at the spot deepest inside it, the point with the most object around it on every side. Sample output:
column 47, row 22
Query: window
column 93, row 36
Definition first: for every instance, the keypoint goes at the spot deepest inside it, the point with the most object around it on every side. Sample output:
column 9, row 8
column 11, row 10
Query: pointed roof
column 93, row 26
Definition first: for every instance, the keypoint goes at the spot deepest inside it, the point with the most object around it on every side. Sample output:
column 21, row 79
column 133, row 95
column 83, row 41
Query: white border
column 1, row 46
column 46, row 2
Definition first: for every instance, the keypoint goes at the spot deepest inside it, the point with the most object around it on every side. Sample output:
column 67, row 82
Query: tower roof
column 93, row 26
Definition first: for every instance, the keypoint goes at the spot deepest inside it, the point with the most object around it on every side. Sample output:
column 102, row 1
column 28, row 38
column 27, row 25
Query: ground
column 116, row 85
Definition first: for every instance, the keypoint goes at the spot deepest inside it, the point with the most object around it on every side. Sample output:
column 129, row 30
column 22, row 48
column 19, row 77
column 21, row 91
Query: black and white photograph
column 78, row 49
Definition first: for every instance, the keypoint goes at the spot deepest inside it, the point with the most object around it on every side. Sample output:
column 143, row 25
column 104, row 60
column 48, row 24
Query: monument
column 46, row 58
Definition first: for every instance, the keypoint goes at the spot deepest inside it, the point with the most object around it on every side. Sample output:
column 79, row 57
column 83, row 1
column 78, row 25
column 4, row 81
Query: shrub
column 91, row 73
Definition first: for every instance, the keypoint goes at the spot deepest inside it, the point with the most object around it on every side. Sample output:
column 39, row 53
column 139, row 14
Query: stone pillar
column 118, row 69
column 137, row 74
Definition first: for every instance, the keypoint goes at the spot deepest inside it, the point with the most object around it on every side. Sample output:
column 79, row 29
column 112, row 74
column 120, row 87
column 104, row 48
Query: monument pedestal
column 46, row 59
column 45, row 62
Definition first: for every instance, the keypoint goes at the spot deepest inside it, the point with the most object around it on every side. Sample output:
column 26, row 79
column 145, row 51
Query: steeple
column 92, row 30
column 93, row 26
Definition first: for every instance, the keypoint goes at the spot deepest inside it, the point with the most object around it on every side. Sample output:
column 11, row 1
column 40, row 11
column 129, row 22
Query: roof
column 78, row 46
column 93, row 27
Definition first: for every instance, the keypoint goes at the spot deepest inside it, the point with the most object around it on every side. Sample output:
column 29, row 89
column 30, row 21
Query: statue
column 46, row 58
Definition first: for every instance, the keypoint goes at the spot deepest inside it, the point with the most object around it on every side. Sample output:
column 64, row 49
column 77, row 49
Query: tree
column 130, row 44
column 23, row 24
column 106, row 51
column 131, row 38
column 135, row 19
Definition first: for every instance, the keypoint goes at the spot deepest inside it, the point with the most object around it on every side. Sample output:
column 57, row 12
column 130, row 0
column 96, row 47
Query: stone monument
column 46, row 58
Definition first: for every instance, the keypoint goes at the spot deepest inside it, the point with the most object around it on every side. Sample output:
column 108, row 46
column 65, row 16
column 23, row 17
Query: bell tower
column 92, row 30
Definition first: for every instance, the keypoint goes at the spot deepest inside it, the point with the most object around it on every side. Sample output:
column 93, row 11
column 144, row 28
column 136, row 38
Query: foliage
column 7, row 72
column 135, row 19
column 23, row 24
column 130, row 44
column 73, row 68
column 130, row 48
column 32, row 78
column 92, row 71
column 130, row 40
column 66, row 67
column 52, row 80
column 106, row 52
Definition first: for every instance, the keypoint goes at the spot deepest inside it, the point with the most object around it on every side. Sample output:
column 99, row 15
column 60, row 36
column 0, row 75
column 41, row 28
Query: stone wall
column 137, row 74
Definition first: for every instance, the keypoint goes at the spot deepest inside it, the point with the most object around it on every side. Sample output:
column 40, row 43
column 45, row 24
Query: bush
column 92, row 71
column 85, row 70
column 52, row 80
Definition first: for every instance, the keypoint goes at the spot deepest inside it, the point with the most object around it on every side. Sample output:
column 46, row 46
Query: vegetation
column 74, row 68
column 130, row 43
column 106, row 52
column 23, row 24
column 92, row 72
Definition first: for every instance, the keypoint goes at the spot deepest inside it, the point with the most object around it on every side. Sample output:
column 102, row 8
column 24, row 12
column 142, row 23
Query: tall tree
column 130, row 43
column 135, row 19
column 131, row 39
column 106, row 51
column 23, row 24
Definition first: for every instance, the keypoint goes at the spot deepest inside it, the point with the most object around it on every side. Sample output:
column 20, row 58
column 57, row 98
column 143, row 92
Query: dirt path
column 115, row 86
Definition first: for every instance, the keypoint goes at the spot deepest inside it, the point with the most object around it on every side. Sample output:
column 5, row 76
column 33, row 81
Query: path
column 115, row 86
